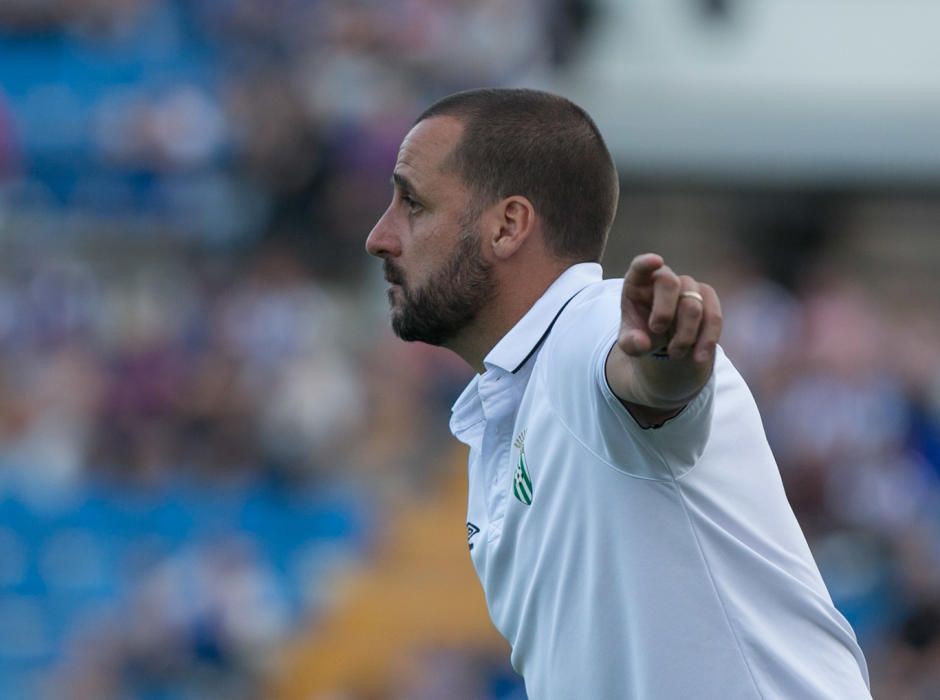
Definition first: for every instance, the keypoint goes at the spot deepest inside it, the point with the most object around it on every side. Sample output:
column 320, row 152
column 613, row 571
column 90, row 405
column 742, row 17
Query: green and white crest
column 521, row 481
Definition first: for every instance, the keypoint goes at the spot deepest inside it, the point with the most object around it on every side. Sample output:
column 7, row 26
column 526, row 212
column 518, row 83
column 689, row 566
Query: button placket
column 496, row 393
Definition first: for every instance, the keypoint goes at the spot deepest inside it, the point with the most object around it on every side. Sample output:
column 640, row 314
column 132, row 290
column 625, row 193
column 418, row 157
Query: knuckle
column 685, row 334
column 669, row 283
column 692, row 309
column 707, row 349
column 712, row 336
column 661, row 320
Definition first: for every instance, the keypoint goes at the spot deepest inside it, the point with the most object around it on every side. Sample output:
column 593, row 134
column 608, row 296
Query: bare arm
column 665, row 351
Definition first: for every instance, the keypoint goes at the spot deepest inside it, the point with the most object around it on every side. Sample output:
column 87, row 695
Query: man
column 626, row 517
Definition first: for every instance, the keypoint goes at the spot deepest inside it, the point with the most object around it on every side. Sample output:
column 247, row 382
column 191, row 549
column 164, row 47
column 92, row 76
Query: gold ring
column 693, row 295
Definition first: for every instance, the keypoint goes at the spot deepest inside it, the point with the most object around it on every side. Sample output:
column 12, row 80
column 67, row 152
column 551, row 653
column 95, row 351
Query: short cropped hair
column 545, row 148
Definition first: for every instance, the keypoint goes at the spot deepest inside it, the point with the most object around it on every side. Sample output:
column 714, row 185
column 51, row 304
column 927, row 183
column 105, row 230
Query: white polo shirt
column 623, row 563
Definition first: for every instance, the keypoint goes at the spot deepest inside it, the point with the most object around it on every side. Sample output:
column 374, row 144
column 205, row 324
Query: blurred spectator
column 7, row 142
column 200, row 625
column 192, row 351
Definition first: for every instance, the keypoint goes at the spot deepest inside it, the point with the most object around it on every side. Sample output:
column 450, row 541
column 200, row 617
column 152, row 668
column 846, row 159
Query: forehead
column 423, row 155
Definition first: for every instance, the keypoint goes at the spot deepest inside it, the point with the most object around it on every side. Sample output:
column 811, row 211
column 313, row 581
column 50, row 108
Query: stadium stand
column 419, row 592
column 212, row 486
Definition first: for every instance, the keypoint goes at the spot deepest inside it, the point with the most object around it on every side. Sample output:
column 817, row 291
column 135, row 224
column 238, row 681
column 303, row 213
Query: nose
column 382, row 241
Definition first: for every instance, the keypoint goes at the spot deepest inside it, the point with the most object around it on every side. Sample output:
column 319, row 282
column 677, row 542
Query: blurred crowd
column 848, row 382
column 188, row 323
column 198, row 425
column 224, row 119
column 217, row 368
column 186, row 187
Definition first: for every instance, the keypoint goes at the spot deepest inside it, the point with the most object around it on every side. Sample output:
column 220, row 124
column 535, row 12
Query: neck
column 514, row 298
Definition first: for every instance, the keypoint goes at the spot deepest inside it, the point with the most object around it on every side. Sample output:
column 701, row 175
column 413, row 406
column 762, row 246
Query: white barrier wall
column 784, row 91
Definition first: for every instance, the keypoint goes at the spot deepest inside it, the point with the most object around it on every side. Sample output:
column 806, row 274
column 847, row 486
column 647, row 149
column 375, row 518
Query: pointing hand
column 663, row 311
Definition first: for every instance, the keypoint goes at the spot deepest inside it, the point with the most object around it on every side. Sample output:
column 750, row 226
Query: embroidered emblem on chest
column 521, row 481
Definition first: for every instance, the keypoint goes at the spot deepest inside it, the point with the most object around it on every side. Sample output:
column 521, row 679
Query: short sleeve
column 681, row 440
column 572, row 369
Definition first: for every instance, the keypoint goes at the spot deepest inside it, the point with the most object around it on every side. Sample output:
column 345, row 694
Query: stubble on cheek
column 447, row 300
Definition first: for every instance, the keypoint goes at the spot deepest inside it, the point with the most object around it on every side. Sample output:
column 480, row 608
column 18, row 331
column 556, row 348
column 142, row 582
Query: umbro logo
column 471, row 531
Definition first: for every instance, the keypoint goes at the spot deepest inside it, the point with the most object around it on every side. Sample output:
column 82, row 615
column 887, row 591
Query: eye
column 412, row 205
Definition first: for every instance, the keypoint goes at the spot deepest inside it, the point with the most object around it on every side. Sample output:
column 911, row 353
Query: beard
column 449, row 301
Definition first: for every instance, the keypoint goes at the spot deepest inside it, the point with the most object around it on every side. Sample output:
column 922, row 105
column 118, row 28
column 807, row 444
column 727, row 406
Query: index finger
column 640, row 272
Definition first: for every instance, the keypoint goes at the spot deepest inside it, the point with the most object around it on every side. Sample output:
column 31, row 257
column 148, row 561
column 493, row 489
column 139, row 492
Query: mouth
column 392, row 275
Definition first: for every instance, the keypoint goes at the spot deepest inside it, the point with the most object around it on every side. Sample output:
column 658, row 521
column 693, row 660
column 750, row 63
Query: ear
column 513, row 221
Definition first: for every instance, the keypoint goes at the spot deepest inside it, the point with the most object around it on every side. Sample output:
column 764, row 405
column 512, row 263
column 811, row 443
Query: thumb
column 635, row 342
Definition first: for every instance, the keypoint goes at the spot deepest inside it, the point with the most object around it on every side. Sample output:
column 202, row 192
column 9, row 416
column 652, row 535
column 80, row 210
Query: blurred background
column 220, row 474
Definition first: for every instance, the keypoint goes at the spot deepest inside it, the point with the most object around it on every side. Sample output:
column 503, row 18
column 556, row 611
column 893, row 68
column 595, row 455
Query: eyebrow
column 402, row 183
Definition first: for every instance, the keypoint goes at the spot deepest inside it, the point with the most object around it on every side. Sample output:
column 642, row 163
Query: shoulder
column 595, row 298
column 592, row 314
column 569, row 374
column 564, row 374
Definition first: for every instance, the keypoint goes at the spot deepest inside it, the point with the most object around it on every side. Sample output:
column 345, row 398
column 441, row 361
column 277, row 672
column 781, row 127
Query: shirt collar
column 511, row 352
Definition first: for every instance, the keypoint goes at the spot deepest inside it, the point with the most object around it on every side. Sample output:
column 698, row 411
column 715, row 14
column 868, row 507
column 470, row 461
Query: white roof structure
column 777, row 92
